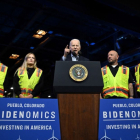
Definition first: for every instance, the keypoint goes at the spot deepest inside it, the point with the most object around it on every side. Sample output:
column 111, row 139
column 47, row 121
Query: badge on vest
column 78, row 72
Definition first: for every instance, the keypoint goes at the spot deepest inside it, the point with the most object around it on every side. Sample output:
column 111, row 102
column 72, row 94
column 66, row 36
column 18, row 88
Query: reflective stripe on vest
column 137, row 85
column 2, row 68
column 104, row 70
column 124, row 69
column 1, row 91
column 21, row 71
column 29, row 91
column 112, row 89
column 38, row 72
column 122, row 90
column 136, row 68
column 108, row 91
column 23, row 91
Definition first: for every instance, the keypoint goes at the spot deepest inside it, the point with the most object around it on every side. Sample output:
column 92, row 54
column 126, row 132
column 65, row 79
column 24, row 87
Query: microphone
column 76, row 56
column 74, row 53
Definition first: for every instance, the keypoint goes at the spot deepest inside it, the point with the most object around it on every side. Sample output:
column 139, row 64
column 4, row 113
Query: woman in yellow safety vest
column 28, row 79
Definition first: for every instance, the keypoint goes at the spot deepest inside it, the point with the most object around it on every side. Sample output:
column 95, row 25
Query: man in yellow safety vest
column 117, row 79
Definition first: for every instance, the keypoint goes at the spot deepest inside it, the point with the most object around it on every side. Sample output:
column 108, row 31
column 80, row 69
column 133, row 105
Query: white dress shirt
column 73, row 58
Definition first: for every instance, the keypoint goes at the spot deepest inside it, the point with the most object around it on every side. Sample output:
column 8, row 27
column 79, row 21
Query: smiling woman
column 28, row 79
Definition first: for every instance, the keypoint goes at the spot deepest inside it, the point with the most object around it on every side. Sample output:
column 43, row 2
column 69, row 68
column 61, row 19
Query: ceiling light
column 41, row 32
column 37, row 36
column 14, row 56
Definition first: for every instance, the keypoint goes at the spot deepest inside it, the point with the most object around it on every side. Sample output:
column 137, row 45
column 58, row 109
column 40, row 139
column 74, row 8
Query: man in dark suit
column 74, row 48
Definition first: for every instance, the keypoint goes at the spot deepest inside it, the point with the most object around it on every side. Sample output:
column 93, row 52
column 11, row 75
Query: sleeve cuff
column 63, row 58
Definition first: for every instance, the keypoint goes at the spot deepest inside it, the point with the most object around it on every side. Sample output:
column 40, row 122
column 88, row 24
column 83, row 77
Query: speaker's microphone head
column 74, row 53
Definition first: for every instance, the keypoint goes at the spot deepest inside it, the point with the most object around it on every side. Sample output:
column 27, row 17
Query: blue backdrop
column 29, row 119
column 119, row 119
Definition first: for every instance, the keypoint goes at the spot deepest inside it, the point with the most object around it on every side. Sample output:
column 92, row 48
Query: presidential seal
column 78, row 72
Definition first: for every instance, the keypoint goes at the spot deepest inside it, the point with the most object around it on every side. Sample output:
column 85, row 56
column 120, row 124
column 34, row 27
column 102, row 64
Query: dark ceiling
column 100, row 25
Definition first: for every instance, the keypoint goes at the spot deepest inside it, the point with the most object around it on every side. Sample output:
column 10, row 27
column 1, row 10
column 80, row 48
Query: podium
column 78, row 101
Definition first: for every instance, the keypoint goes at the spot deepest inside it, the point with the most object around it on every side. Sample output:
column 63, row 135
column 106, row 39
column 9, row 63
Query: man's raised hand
column 66, row 51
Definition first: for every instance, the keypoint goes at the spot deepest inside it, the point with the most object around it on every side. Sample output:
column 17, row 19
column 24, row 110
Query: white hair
column 74, row 39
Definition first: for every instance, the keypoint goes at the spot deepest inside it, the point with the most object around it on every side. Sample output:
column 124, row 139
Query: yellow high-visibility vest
column 27, row 85
column 137, row 75
column 115, row 86
column 3, row 72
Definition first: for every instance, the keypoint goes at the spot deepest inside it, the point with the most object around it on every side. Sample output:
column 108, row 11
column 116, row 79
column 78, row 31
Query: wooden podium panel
column 79, row 114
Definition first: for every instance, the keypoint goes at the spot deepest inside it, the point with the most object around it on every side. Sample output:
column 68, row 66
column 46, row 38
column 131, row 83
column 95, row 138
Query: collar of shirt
column 74, row 58
column 113, row 66
column 73, row 55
